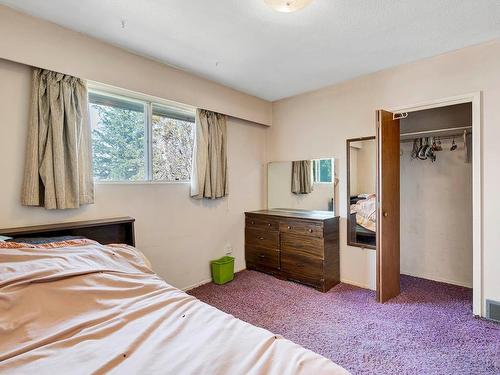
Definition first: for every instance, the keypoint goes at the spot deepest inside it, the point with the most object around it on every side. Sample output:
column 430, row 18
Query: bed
column 363, row 213
column 92, row 304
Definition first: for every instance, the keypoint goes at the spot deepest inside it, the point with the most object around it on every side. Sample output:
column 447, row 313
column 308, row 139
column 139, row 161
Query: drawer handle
column 261, row 238
column 310, row 230
column 269, row 224
column 262, row 256
column 289, row 227
column 253, row 222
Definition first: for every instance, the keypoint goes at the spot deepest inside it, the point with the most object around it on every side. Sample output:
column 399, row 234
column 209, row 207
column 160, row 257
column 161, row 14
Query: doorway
column 388, row 188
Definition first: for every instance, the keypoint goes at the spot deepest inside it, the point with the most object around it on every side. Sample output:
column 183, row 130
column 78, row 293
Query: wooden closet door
column 388, row 263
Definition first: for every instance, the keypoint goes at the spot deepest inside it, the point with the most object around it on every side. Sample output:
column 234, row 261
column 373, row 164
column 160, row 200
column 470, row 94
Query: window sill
column 141, row 182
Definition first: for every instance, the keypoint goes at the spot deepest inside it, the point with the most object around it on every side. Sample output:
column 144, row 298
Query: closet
column 436, row 194
column 424, row 197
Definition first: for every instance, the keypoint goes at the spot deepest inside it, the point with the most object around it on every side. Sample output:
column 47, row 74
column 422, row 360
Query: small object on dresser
column 222, row 270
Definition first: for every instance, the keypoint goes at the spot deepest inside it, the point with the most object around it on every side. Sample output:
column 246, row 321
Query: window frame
column 317, row 169
column 148, row 101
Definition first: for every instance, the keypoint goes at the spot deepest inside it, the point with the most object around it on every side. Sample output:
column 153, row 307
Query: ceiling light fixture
column 287, row 6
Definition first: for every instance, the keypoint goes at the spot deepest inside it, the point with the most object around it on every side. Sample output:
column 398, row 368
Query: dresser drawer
column 306, row 228
column 262, row 238
column 304, row 245
column 262, row 258
column 303, row 268
column 262, row 223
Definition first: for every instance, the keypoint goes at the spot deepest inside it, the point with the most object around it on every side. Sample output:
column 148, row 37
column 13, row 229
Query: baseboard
column 206, row 281
column 438, row 279
column 427, row 277
column 200, row 283
column 346, row 281
column 359, row 285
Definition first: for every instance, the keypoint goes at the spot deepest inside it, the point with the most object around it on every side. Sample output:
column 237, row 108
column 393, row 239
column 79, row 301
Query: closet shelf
column 441, row 133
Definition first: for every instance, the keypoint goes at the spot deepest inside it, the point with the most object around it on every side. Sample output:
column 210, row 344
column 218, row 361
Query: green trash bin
column 222, row 270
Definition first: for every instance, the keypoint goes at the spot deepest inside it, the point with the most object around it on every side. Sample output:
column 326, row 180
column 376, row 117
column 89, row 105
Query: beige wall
column 353, row 171
column 363, row 167
column 39, row 43
column 367, row 168
column 178, row 234
column 347, row 110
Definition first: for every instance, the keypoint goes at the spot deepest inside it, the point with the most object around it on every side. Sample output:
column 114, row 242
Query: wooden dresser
column 297, row 245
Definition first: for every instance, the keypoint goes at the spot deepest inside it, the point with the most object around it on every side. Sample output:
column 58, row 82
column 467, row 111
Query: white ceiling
column 245, row 45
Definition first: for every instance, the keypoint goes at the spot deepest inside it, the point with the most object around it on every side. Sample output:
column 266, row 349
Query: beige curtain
column 209, row 177
column 58, row 172
column 302, row 182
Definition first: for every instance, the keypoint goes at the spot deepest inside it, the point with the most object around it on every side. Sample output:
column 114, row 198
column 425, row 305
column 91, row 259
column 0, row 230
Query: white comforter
column 85, row 308
column 366, row 210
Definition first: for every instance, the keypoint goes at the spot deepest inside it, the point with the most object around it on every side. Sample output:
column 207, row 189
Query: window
column 323, row 171
column 173, row 138
column 140, row 140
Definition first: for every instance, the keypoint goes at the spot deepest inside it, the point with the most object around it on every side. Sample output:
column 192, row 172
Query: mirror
column 361, row 188
column 301, row 185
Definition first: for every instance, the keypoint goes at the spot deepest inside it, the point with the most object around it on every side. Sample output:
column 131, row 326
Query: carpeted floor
column 428, row 329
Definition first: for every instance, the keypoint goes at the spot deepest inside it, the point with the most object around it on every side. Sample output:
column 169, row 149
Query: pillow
column 43, row 240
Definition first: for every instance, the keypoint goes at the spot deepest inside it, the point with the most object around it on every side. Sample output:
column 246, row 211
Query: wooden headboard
column 104, row 231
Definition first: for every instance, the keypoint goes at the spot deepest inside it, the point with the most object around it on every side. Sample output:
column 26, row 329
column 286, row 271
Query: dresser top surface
column 296, row 214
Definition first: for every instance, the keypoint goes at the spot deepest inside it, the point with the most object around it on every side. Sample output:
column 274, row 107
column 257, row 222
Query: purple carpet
column 428, row 329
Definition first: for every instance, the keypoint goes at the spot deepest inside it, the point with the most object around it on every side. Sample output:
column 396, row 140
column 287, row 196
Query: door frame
column 478, row 302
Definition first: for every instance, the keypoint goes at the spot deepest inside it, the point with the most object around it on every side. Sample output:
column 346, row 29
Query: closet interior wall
column 436, row 199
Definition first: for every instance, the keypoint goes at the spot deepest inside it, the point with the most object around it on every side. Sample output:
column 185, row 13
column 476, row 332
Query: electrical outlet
column 228, row 248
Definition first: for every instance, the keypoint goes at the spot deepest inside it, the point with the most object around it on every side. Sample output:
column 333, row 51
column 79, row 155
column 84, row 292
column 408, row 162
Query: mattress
column 79, row 307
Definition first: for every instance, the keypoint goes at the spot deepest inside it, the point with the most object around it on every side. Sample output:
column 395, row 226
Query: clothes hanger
column 415, row 149
column 453, row 145
column 436, row 144
column 439, row 145
column 423, row 150
column 429, row 152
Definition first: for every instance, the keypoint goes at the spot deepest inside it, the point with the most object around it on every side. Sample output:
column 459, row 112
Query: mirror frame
column 348, row 212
